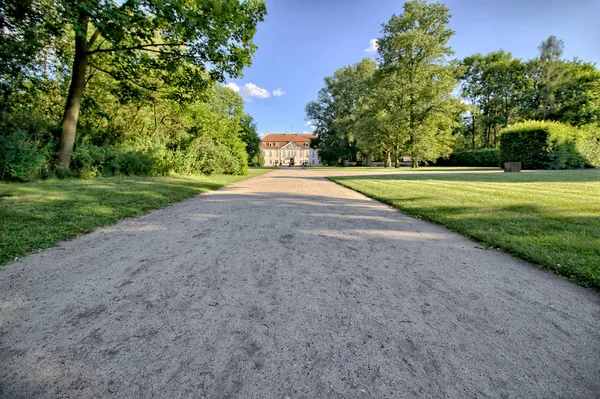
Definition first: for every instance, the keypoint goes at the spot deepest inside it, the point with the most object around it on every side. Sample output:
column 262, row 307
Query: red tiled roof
column 287, row 137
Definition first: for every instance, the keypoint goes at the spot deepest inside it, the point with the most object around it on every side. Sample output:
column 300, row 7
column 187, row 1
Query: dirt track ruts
column 287, row 285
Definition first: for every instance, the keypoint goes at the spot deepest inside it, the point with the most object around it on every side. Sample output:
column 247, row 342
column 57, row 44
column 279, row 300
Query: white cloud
column 249, row 91
column 310, row 124
column 233, row 87
column 373, row 46
column 278, row 92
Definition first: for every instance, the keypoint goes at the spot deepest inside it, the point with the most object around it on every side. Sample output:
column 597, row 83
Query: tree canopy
column 417, row 101
column 130, row 77
column 401, row 105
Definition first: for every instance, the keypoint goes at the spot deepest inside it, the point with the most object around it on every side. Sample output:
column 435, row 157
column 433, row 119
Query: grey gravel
column 289, row 286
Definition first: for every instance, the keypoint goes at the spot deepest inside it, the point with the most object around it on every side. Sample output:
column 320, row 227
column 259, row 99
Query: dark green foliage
column 146, row 135
column 201, row 155
column 26, row 145
column 127, row 76
column 483, row 157
column 21, row 158
column 500, row 90
column 548, row 145
column 93, row 161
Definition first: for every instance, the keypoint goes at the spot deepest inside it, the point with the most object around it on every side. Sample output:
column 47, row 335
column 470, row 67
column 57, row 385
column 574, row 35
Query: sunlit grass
column 423, row 169
column 550, row 218
column 37, row 215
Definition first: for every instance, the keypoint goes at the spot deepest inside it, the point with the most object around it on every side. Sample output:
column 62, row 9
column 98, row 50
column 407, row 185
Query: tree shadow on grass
column 38, row 215
column 528, row 177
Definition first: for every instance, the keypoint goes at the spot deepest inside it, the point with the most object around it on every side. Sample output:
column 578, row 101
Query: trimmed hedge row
column 483, row 157
column 549, row 145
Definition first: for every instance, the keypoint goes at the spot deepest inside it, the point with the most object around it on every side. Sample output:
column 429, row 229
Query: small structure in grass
column 512, row 166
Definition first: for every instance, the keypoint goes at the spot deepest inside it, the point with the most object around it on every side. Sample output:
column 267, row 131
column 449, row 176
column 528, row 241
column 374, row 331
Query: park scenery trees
column 417, row 101
column 102, row 87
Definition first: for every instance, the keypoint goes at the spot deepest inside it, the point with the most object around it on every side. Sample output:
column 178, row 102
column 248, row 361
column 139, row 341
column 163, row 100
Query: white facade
column 291, row 152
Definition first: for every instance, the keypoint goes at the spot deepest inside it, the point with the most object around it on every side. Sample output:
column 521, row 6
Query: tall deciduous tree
column 495, row 85
column 550, row 75
column 126, row 38
column 335, row 112
column 577, row 97
column 419, row 81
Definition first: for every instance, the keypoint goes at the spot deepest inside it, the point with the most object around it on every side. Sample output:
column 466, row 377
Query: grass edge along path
column 551, row 219
column 38, row 215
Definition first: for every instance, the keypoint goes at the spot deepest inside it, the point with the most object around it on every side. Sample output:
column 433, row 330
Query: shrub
column 547, row 145
column 591, row 146
column 206, row 156
column 90, row 161
column 201, row 155
column 21, row 158
column 129, row 162
column 483, row 157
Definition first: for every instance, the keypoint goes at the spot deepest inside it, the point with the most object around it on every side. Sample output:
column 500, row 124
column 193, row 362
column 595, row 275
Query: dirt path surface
column 289, row 286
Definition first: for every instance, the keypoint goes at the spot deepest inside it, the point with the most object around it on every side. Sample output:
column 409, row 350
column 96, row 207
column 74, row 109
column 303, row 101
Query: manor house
column 283, row 149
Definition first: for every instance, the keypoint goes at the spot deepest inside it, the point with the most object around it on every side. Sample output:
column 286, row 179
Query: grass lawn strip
column 552, row 219
column 35, row 216
column 423, row 169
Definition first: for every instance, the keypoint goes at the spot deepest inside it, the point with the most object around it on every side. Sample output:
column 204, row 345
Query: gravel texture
column 289, row 286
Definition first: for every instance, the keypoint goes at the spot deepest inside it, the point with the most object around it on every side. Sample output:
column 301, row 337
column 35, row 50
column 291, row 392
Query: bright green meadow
column 550, row 218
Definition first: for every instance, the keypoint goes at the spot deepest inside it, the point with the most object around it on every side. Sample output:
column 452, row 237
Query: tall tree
column 336, row 109
column 471, row 77
column 551, row 74
column 413, row 52
column 180, row 38
column 577, row 97
column 495, row 86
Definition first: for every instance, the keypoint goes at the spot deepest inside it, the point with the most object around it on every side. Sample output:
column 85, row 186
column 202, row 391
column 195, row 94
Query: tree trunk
column 396, row 160
column 474, row 132
column 69, row 121
column 369, row 160
column 388, row 159
column 415, row 163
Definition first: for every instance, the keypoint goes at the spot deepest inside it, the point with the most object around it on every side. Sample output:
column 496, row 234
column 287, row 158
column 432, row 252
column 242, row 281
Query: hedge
column 483, row 157
column 549, row 145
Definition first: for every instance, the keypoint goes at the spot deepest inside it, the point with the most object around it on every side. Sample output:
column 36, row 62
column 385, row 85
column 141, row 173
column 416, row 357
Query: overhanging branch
column 111, row 74
column 139, row 47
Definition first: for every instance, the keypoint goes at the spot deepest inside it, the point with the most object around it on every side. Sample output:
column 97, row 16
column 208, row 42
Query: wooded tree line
column 99, row 87
column 416, row 100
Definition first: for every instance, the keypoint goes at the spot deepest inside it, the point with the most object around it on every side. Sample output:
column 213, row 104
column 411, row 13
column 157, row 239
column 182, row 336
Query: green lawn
column 37, row 215
column 550, row 218
column 423, row 169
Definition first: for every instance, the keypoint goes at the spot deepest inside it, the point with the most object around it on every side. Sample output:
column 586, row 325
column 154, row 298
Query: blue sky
column 302, row 41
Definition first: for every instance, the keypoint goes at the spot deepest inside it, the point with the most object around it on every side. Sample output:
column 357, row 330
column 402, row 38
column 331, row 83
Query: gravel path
column 287, row 285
